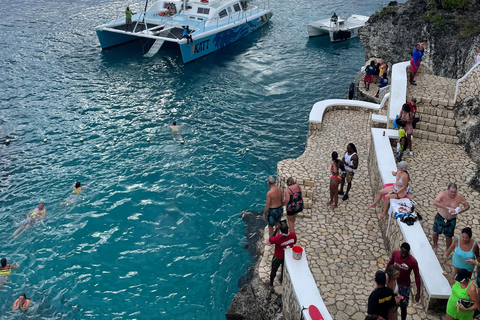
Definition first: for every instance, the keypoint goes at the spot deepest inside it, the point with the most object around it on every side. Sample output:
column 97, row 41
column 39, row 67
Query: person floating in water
column 32, row 217
column 5, row 271
column 22, row 303
column 77, row 189
column 176, row 131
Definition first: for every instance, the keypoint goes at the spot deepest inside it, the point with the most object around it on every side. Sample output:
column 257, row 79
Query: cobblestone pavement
column 344, row 246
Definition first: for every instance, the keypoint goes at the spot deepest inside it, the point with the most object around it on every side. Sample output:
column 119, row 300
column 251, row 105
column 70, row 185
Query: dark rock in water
column 467, row 119
column 452, row 34
column 254, row 226
column 255, row 300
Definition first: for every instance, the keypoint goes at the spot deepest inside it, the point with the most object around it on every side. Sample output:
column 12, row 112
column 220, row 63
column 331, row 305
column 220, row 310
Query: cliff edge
column 452, row 28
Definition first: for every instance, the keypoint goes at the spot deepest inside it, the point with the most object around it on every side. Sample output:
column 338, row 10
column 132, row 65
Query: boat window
column 203, row 10
column 223, row 13
column 236, row 7
column 229, row 10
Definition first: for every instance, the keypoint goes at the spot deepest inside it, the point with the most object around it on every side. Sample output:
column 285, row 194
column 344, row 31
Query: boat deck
column 172, row 33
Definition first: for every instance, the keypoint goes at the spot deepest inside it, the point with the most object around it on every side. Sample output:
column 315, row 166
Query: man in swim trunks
column 21, row 303
column 32, row 217
column 273, row 209
column 281, row 241
column 448, row 204
column 5, row 271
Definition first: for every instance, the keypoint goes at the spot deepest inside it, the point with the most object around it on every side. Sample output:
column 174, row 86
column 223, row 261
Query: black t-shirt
column 381, row 300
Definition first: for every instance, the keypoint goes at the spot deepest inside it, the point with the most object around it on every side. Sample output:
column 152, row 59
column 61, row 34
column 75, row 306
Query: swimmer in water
column 176, row 131
column 5, row 271
column 22, row 303
column 32, row 217
column 77, row 189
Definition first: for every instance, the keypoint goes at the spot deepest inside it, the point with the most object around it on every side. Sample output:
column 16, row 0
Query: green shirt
column 128, row 14
column 457, row 294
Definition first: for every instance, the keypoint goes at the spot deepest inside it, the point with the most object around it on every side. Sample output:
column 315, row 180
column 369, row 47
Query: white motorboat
column 338, row 29
column 212, row 24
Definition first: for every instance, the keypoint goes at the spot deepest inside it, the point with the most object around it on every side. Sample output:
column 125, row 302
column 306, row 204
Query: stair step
column 434, row 136
column 436, row 128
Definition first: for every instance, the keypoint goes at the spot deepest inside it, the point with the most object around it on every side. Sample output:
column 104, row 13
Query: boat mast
column 145, row 11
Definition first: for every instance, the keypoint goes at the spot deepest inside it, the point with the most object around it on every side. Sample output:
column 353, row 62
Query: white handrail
column 462, row 79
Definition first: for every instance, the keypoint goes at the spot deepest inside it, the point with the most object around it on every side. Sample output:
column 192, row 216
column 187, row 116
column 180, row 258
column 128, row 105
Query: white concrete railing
column 304, row 286
column 398, row 91
column 462, row 79
column 430, row 270
column 318, row 110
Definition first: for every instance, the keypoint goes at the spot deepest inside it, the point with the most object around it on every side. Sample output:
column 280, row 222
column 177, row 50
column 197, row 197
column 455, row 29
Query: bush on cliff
column 454, row 4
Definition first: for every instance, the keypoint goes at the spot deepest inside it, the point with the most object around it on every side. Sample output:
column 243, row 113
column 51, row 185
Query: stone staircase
column 435, row 97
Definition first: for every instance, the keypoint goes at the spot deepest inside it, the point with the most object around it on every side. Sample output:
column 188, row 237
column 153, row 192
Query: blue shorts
column 447, row 227
column 274, row 215
column 404, row 291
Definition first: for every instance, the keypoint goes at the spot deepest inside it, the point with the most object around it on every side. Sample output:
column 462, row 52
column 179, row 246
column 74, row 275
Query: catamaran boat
column 212, row 24
column 338, row 29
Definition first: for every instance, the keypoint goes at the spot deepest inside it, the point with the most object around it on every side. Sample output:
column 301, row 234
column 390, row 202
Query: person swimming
column 5, row 271
column 176, row 131
column 32, row 217
column 77, row 190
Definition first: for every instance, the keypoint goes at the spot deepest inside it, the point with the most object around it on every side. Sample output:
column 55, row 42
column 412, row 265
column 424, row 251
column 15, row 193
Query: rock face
column 453, row 35
column 467, row 118
column 254, row 300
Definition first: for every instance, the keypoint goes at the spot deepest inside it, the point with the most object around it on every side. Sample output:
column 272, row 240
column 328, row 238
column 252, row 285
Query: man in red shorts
column 369, row 71
column 416, row 60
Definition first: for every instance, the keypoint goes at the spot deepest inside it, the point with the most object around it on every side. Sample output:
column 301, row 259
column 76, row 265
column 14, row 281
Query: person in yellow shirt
column 128, row 19
column 383, row 68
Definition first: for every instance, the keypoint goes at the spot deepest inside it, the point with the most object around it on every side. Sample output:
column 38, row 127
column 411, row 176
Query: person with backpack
column 294, row 202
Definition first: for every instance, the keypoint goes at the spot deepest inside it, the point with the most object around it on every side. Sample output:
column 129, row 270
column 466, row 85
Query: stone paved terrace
column 344, row 246
column 433, row 89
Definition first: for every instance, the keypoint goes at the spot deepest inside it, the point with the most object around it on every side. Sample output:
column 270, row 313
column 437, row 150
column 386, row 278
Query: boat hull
column 210, row 43
column 109, row 39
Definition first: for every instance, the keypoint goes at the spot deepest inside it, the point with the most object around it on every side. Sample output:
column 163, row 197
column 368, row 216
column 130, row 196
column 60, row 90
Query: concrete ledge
column 379, row 118
column 398, row 92
column 300, row 290
column 319, row 108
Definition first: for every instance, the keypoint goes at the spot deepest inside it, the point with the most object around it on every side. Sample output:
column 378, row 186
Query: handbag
column 466, row 303
column 416, row 119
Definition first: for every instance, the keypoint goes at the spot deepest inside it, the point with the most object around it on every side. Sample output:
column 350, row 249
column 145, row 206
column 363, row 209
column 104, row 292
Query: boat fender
column 351, row 91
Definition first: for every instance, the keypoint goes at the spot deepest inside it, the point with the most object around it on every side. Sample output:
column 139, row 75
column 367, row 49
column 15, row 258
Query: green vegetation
column 436, row 17
column 468, row 29
column 454, row 4
column 384, row 11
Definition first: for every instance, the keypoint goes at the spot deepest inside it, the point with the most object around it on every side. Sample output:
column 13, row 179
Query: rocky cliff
column 254, row 300
column 452, row 28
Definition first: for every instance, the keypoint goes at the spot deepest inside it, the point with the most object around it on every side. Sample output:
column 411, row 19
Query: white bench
column 304, row 285
column 430, row 270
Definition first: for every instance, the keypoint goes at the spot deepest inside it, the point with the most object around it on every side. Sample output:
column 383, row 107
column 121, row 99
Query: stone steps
column 435, row 136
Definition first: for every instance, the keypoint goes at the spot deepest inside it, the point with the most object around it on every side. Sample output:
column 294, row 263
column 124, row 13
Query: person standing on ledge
column 273, row 208
column 416, row 60
column 448, row 204
column 128, row 19
column 369, row 71
column 281, row 241
column 477, row 60
column 294, row 202
column 350, row 161
column 406, row 263
column 22, row 303
column 381, row 302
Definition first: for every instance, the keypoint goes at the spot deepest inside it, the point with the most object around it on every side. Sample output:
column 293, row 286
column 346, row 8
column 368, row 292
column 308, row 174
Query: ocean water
column 158, row 233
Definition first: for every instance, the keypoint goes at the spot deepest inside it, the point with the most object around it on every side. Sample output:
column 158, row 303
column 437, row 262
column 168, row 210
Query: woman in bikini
column 396, row 191
column 5, row 271
column 335, row 180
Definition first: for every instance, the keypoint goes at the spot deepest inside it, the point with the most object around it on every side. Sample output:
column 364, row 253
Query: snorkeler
column 5, row 271
column 77, row 189
column 32, row 217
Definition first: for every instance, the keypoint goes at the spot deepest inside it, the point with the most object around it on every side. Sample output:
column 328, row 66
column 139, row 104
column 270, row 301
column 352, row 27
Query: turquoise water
column 158, row 234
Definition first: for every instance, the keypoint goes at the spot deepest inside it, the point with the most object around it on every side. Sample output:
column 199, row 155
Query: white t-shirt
column 478, row 58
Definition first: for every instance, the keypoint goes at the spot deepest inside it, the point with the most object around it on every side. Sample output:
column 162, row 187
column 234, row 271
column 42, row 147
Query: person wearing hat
column 404, row 261
column 462, row 288
column 413, row 105
column 281, row 241
column 397, row 190
column 381, row 302
column 416, row 60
